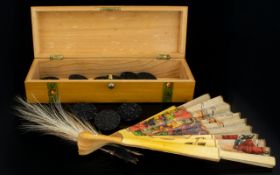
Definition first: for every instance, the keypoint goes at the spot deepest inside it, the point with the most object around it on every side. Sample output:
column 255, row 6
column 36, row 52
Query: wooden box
column 101, row 40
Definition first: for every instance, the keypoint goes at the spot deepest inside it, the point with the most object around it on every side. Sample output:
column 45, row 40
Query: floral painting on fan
column 175, row 122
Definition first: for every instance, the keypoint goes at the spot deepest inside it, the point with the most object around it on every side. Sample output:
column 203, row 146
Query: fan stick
column 87, row 141
column 252, row 159
column 196, row 101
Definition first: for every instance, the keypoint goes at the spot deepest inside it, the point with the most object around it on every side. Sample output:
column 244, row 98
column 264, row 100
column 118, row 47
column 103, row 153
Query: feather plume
column 54, row 120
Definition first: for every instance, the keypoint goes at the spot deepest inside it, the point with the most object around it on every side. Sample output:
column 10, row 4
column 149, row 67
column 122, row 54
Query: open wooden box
column 101, row 40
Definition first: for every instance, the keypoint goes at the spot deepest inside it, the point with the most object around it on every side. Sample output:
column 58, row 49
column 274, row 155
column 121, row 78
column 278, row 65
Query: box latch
column 164, row 57
column 167, row 92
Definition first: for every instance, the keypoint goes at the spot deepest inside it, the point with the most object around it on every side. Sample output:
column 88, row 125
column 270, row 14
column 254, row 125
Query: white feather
column 52, row 119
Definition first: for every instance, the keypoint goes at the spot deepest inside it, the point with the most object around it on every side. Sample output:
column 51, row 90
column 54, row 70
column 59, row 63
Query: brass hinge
column 56, row 57
column 110, row 8
column 164, row 57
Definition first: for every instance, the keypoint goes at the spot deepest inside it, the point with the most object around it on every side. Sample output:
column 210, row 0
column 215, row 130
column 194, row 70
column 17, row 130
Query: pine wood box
column 100, row 40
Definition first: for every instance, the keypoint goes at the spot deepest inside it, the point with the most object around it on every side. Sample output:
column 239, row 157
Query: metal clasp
column 111, row 85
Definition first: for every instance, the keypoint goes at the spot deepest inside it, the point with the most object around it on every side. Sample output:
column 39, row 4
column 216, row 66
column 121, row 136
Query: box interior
column 174, row 69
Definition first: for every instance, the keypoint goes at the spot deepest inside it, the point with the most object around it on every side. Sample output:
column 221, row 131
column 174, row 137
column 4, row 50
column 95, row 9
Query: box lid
column 109, row 31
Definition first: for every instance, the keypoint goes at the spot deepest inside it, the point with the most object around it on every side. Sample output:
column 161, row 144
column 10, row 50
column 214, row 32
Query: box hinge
column 164, row 57
column 56, row 57
column 167, row 92
column 110, row 8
